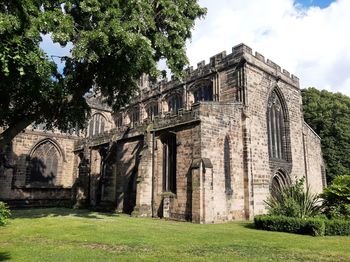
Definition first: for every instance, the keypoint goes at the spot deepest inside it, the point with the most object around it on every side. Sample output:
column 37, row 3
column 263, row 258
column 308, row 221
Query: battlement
column 240, row 51
column 222, row 60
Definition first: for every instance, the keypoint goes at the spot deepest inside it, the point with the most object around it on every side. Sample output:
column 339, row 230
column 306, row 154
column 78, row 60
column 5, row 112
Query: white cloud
column 310, row 43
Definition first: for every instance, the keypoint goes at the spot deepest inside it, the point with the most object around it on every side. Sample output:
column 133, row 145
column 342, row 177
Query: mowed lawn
column 71, row 235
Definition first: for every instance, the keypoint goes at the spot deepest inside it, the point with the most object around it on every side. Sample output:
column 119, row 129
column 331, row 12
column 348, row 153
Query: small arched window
column 44, row 164
column 96, row 125
column 203, row 93
column 276, row 124
column 175, row 103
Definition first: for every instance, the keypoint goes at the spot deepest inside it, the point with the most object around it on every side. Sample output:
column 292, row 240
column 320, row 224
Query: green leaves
column 329, row 115
column 294, row 201
column 337, row 198
column 114, row 43
column 4, row 213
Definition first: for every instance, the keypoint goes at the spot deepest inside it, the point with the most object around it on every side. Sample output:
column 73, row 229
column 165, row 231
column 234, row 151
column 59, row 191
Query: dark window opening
column 44, row 165
column 135, row 117
column 204, row 93
column 227, row 166
column 169, row 164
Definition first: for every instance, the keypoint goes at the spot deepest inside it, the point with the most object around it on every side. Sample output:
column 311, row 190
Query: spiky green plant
column 4, row 213
column 294, row 201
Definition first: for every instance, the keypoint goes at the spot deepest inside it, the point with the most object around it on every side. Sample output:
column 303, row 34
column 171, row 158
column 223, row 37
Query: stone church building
column 209, row 148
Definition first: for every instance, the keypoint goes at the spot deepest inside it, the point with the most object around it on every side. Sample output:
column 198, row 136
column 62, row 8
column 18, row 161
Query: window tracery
column 44, row 164
column 276, row 127
column 96, row 125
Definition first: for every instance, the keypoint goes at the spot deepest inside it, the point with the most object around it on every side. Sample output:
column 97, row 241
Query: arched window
column 203, row 93
column 175, row 103
column 276, row 125
column 152, row 110
column 279, row 181
column 134, row 117
column 96, row 125
column 44, row 164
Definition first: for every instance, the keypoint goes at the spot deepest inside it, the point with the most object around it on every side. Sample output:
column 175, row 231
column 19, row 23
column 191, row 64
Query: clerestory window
column 96, row 125
column 152, row 110
column 175, row 103
column 203, row 93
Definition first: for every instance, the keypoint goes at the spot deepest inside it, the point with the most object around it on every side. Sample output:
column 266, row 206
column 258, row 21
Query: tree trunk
column 13, row 130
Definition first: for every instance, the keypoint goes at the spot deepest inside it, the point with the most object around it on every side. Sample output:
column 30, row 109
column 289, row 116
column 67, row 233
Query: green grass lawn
column 71, row 235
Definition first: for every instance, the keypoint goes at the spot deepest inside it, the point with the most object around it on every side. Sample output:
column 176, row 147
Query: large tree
column 329, row 115
column 114, row 42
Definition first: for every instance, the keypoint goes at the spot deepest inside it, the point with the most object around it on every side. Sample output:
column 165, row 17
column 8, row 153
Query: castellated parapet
column 220, row 62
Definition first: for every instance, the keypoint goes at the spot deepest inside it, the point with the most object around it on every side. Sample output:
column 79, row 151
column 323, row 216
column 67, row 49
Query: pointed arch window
column 279, row 181
column 96, row 125
column 175, row 103
column 44, row 165
column 276, row 124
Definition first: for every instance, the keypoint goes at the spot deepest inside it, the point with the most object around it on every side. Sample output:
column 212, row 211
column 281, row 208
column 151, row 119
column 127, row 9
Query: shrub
column 337, row 227
column 308, row 226
column 293, row 201
column 4, row 213
column 336, row 198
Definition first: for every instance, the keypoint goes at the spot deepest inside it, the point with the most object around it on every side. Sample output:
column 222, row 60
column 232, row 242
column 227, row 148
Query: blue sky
column 308, row 38
column 319, row 3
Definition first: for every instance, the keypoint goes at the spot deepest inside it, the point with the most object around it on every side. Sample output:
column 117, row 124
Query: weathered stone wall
column 13, row 185
column 221, row 143
column 126, row 170
column 188, row 148
column 262, row 78
column 315, row 168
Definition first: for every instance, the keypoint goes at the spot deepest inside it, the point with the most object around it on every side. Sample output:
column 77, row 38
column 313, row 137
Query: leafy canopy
column 337, row 198
column 329, row 115
column 114, row 42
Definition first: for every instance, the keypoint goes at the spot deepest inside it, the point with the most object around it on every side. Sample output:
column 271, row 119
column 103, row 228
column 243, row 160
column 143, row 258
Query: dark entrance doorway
column 130, row 194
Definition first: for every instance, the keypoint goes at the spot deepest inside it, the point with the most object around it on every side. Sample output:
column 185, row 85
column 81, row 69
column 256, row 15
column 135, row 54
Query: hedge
column 337, row 227
column 307, row 226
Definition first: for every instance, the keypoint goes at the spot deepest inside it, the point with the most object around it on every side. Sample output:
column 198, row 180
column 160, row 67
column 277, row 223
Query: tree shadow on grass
column 5, row 256
column 249, row 225
column 57, row 212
